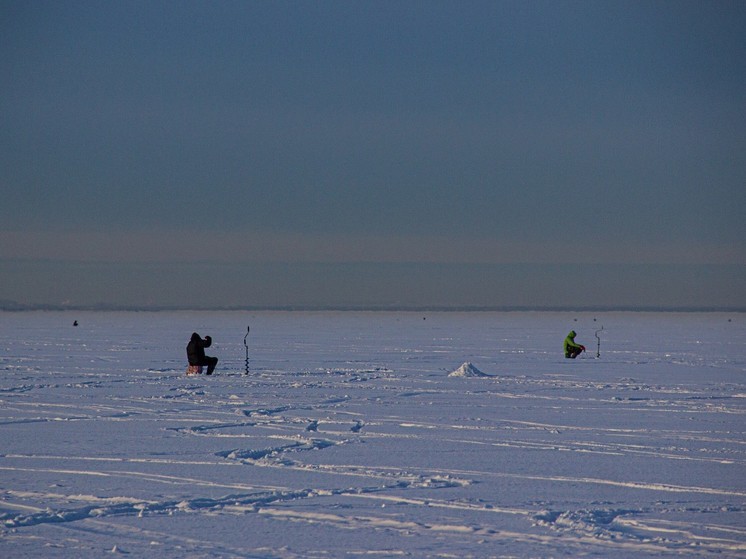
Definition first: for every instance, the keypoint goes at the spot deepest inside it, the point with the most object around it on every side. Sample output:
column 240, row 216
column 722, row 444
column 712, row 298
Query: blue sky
column 429, row 153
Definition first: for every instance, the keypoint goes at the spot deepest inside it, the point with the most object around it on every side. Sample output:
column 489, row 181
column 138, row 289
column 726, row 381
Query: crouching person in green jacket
column 572, row 350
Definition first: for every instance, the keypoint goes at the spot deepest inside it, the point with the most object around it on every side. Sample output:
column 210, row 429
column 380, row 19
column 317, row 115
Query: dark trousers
column 210, row 362
column 573, row 352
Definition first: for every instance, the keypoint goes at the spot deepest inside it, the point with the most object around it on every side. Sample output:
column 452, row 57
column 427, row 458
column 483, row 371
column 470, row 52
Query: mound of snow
column 467, row 370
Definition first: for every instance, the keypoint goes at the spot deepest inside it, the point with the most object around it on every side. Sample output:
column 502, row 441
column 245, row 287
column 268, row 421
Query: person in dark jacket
column 572, row 350
column 196, row 352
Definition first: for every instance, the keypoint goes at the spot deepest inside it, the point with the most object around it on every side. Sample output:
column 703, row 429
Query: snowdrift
column 467, row 370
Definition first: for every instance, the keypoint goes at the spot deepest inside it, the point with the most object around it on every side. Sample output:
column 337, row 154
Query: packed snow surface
column 349, row 437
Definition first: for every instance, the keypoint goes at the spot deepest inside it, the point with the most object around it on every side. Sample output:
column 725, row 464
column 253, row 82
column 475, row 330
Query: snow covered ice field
column 349, row 438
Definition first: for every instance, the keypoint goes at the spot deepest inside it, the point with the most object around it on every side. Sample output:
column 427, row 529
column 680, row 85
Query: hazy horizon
column 390, row 286
column 333, row 154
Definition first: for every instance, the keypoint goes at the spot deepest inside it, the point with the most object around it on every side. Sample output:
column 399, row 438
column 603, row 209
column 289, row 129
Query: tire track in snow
column 623, row 525
column 580, row 532
column 122, row 506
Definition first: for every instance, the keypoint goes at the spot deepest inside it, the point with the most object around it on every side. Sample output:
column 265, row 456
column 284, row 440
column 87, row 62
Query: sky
column 373, row 154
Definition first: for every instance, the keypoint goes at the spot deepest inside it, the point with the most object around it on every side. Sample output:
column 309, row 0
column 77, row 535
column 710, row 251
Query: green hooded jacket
column 570, row 343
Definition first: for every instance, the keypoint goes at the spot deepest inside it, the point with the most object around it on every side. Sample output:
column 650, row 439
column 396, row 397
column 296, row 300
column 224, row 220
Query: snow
column 352, row 437
column 467, row 370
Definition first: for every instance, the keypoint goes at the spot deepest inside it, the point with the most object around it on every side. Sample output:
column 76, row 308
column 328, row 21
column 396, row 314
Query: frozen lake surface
column 349, row 438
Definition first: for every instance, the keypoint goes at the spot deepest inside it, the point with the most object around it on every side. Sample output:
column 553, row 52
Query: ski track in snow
column 354, row 440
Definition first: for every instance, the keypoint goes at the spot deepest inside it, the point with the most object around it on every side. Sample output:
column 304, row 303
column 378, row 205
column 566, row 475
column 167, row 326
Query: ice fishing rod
column 598, row 346
column 246, row 345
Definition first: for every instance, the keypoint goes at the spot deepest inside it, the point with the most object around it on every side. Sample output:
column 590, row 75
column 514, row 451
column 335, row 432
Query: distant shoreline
column 18, row 307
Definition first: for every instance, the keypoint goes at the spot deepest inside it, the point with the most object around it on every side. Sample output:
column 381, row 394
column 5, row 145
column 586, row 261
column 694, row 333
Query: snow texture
column 349, row 437
column 467, row 370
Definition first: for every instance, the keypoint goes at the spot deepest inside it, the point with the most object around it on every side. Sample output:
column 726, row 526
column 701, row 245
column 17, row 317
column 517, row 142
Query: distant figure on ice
column 572, row 350
column 196, row 354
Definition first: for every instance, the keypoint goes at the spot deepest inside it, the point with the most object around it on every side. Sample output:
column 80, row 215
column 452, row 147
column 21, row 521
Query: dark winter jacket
column 196, row 349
